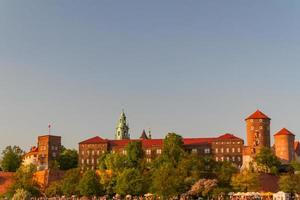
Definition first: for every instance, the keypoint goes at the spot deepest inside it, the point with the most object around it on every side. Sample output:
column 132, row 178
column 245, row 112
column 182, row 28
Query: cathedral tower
column 122, row 128
column 258, row 131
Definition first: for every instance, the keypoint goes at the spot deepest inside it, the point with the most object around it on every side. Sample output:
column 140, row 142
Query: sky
column 197, row 68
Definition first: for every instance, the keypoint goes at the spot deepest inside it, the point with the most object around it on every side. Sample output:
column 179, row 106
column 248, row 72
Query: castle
column 226, row 147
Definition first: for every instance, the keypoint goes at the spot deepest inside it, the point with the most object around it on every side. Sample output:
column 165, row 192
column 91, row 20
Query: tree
column 224, row 172
column 134, row 153
column 11, row 158
column 24, row 180
column 115, row 162
column 172, row 148
column 68, row 159
column 266, row 161
column 130, row 181
column 89, row 184
column 289, row 183
column 70, row 182
column 167, row 181
column 245, row 181
column 203, row 187
column 21, row 194
column 296, row 165
column 54, row 189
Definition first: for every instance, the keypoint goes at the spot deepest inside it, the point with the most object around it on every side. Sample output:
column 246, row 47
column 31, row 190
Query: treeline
column 175, row 172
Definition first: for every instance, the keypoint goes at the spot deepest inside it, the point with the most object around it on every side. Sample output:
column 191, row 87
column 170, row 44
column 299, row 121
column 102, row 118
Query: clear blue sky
column 194, row 67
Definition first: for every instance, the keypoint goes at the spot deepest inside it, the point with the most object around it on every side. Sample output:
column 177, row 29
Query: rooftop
column 258, row 115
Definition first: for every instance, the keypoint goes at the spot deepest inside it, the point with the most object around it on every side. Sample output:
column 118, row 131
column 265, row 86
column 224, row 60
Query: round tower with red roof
column 284, row 145
column 258, row 131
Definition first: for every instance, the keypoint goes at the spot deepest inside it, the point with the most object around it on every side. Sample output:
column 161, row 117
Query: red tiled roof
column 152, row 143
column 284, row 131
column 258, row 115
column 94, row 140
column 228, row 136
column 195, row 141
column 155, row 142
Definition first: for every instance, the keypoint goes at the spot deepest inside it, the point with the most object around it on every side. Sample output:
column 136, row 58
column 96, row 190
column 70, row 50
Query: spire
column 149, row 134
column 122, row 128
column 144, row 135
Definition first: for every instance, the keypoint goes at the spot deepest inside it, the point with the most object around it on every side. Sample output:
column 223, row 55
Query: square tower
column 49, row 149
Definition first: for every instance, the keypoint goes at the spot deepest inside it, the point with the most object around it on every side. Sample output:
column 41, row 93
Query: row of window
column 233, row 150
column 93, row 145
column 206, row 150
column 260, row 128
column 89, row 161
column 229, row 142
column 92, row 152
column 228, row 158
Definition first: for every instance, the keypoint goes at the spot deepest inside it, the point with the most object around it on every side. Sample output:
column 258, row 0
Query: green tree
column 167, row 181
column 89, row 184
column 115, row 162
column 289, row 183
column 24, row 180
column 11, row 158
column 130, row 181
column 54, row 189
column 266, row 161
column 224, row 172
column 245, row 181
column 70, row 182
column 134, row 153
column 68, row 159
column 296, row 165
column 172, row 148
column 21, row 194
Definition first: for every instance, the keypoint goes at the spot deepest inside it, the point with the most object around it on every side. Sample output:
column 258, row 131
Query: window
column 93, row 152
column 82, row 153
column 233, row 158
column 158, row 151
column 148, row 151
column 252, row 128
column 217, row 159
column 87, row 161
column 98, row 152
column 206, row 150
column 222, row 158
column 124, row 152
column 260, row 120
column 148, row 160
column 227, row 150
column 260, row 127
column 251, row 120
column 233, row 150
column 92, row 160
column 54, row 154
column 239, row 158
column 228, row 159
column 194, row 150
column 239, row 149
column 216, row 150
column 222, row 150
